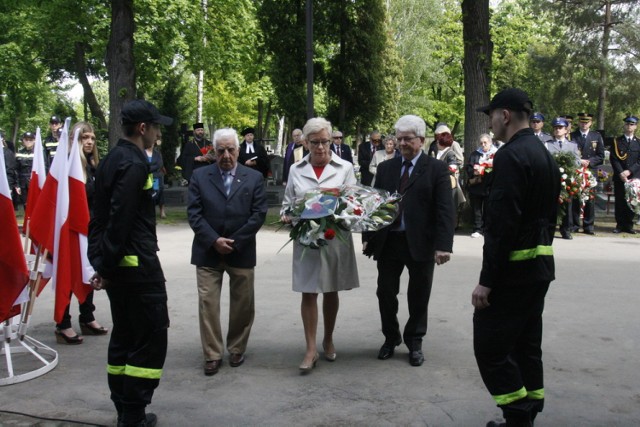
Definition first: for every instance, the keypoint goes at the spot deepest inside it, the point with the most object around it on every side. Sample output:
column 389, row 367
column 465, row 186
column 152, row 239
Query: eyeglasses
column 320, row 142
column 376, row 140
column 220, row 151
column 337, row 137
column 406, row 139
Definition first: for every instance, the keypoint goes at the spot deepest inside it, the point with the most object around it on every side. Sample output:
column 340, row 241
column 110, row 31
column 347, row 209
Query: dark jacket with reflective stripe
column 520, row 214
column 122, row 231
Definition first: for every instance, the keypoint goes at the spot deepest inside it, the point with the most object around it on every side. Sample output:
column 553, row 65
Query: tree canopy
column 374, row 60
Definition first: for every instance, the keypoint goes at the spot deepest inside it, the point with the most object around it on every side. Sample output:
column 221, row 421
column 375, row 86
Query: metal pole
column 309, row 52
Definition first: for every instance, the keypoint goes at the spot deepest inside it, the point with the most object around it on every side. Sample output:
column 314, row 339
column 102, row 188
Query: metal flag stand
column 16, row 341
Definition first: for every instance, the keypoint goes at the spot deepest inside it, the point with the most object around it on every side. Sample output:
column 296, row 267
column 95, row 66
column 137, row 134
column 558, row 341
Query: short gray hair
column 225, row 133
column 485, row 136
column 411, row 123
column 315, row 125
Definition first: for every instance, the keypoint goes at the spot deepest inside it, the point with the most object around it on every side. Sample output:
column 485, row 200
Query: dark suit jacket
column 625, row 156
column 427, row 204
column 238, row 216
column 262, row 164
column 345, row 152
column 591, row 148
column 365, row 155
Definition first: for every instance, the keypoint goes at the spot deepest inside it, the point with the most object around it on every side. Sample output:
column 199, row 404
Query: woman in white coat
column 331, row 268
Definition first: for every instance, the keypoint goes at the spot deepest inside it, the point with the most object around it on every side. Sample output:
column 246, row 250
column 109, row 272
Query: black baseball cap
column 141, row 111
column 512, row 99
column 54, row 119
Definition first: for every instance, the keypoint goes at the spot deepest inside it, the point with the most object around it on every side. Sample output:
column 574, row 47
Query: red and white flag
column 14, row 274
column 60, row 215
column 38, row 177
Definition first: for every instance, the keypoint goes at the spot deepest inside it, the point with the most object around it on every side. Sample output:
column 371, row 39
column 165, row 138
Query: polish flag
column 14, row 274
column 60, row 222
column 38, row 177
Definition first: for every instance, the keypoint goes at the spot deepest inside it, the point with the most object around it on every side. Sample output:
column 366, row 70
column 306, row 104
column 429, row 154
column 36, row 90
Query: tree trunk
column 89, row 97
column 259, row 133
column 120, row 64
column 604, row 62
column 478, row 49
column 267, row 119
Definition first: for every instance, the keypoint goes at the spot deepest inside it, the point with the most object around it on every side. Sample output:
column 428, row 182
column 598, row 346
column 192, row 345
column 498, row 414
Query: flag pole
column 35, row 279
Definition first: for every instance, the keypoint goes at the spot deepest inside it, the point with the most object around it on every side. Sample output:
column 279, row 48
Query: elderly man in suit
column 366, row 152
column 421, row 237
column 342, row 150
column 295, row 151
column 227, row 207
column 591, row 148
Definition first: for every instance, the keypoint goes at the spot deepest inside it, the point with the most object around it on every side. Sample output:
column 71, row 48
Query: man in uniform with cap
column 591, row 148
column 51, row 141
column 536, row 122
column 517, row 264
column 560, row 144
column 194, row 153
column 24, row 160
column 625, row 160
column 123, row 250
column 252, row 153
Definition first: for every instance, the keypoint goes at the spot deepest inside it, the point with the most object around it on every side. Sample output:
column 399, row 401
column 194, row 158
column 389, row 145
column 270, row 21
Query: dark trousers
column 589, row 214
column 507, row 338
column 86, row 313
column 138, row 346
column 477, row 205
column 566, row 225
column 624, row 214
column 396, row 256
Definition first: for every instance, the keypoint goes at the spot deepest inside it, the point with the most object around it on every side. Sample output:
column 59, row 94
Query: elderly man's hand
column 285, row 219
column 441, row 257
column 223, row 245
column 480, row 297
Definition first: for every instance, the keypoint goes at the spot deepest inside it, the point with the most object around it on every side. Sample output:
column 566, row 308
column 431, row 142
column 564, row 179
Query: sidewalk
column 591, row 345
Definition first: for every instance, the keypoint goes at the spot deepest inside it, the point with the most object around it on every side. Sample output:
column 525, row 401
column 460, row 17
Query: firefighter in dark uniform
column 51, row 141
column 518, row 265
column 625, row 161
column 591, row 148
column 122, row 249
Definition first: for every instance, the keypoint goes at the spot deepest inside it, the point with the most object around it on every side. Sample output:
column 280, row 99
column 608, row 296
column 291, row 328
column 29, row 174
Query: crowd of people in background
column 227, row 206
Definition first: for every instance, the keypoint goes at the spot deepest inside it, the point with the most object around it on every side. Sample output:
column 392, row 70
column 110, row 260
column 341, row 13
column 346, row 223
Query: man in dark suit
column 227, row 207
column 591, row 149
column 252, row 153
column 365, row 155
column 342, row 150
column 421, row 236
column 625, row 160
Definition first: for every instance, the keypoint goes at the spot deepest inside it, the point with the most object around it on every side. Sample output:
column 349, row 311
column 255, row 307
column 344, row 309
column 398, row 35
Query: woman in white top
column 331, row 268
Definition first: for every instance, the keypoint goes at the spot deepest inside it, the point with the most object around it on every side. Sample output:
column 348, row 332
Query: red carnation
column 357, row 211
column 329, row 234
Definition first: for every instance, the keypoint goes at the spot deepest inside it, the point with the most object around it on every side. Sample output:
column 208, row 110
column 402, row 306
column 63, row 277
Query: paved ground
column 591, row 347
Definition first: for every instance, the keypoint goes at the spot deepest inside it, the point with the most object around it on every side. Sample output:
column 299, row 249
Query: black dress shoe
column 630, row 231
column 566, row 236
column 617, row 231
column 211, row 367
column 387, row 349
column 416, row 358
column 236, row 359
column 150, row 420
column 589, row 232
